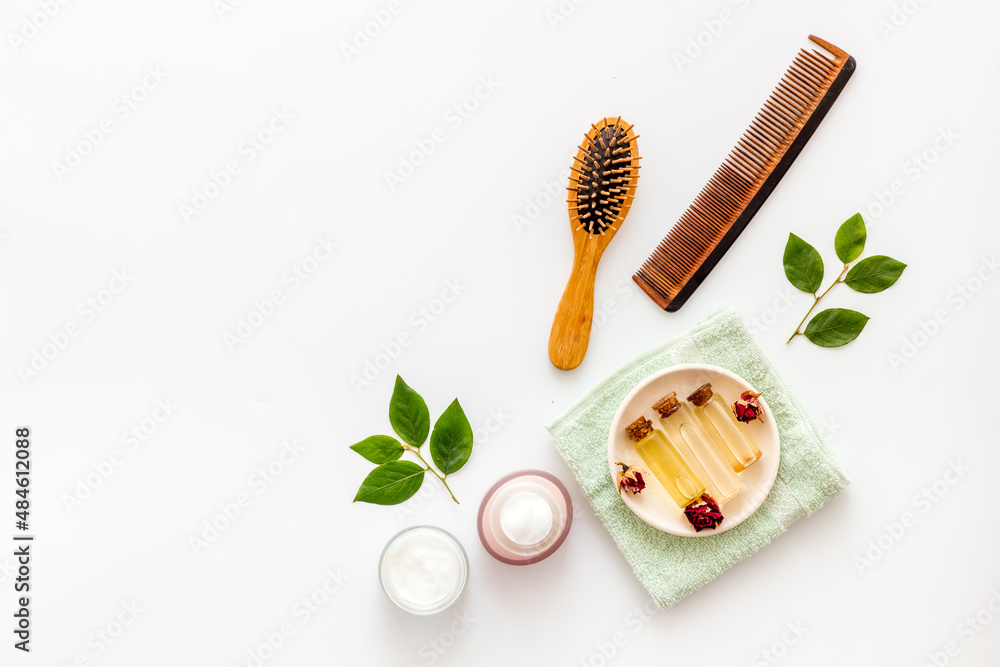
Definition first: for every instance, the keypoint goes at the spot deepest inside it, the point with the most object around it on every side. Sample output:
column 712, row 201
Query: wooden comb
column 601, row 188
column 736, row 192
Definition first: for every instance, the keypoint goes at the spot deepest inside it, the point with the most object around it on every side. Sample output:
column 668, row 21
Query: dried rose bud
column 747, row 408
column 629, row 478
column 705, row 515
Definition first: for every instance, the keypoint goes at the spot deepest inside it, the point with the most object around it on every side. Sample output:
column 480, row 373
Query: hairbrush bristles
column 604, row 173
column 738, row 189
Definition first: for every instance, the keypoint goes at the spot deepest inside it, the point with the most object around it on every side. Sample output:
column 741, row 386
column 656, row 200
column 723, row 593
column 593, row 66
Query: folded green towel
column 669, row 566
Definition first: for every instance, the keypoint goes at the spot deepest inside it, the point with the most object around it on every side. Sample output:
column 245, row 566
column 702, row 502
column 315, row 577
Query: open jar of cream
column 525, row 517
column 423, row 569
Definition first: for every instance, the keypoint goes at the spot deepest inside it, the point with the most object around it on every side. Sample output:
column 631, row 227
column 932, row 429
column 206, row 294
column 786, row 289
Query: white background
column 896, row 423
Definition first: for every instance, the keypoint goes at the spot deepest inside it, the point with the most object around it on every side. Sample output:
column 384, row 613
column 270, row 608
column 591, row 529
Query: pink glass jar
column 525, row 517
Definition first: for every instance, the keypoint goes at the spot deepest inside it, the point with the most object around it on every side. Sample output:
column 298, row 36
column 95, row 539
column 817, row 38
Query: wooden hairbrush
column 601, row 187
column 736, row 192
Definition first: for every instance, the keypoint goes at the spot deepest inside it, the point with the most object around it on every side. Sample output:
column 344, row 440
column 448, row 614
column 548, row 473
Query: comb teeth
column 604, row 173
column 747, row 176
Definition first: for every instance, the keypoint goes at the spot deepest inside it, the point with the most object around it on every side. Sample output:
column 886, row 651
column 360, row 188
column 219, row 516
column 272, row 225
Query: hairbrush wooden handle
column 571, row 326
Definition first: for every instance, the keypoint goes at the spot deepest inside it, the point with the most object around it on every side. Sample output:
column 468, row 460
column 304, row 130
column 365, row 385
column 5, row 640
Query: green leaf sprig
column 804, row 268
column 395, row 481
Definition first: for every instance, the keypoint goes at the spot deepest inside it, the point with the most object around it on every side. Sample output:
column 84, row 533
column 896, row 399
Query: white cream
column 424, row 568
column 526, row 518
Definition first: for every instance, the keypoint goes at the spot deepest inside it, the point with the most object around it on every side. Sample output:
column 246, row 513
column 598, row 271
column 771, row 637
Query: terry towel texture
column 669, row 566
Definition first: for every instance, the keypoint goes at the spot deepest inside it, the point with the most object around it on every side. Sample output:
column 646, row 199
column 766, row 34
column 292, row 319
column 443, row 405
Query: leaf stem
column 427, row 467
column 816, row 301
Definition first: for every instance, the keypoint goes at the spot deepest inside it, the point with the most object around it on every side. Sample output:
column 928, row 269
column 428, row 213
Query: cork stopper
column 667, row 405
column 701, row 395
column 639, row 429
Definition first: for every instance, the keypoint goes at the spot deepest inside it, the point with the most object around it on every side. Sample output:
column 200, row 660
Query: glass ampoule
column 684, row 431
column 665, row 462
column 729, row 435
